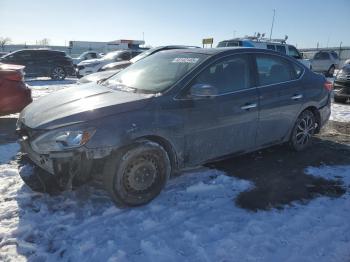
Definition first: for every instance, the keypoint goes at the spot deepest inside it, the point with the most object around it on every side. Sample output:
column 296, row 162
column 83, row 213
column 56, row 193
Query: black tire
column 330, row 71
column 58, row 73
column 303, row 130
column 136, row 175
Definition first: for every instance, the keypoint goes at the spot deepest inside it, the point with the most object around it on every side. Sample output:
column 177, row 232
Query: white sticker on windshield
column 189, row 60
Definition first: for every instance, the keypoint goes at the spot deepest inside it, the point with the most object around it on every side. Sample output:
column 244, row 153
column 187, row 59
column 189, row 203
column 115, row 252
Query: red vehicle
column 14, row 94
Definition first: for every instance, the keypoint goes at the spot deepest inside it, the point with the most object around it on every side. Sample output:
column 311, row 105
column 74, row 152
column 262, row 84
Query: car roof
column 219, row 50
column 39, row 50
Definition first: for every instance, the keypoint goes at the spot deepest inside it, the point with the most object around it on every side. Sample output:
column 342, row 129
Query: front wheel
column 303, row 131
column 58, row 73
column 136, row 175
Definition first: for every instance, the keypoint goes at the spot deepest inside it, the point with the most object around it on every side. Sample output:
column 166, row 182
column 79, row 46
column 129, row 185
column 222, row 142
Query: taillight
column 328, row 86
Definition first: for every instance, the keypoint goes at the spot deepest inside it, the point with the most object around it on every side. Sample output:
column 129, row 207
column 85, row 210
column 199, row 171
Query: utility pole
column 273, row 22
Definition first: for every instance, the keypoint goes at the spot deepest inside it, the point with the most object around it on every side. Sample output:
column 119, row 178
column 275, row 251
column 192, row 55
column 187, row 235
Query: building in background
column 75, row 48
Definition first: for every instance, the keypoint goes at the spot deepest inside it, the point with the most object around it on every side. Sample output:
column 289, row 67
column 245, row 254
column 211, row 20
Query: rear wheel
column 137, row 174
column 303, row 131
column 58, row 73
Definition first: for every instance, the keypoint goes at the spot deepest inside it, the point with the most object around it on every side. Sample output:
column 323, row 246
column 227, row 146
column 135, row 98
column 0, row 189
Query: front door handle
column 248, row 106
column 296, row 97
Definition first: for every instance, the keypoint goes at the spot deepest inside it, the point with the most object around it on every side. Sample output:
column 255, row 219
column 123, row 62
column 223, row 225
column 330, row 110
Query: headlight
column 60, row 140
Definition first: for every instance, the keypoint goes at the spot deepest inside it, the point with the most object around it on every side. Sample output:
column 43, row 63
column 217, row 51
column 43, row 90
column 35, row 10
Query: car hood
column 79, row 104
column 10, row 67
column 97, row 76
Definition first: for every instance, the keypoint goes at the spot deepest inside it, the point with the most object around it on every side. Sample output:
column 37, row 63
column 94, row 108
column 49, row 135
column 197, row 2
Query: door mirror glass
column 203, row 90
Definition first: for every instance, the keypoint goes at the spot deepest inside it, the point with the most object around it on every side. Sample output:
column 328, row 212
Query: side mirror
column 203, row 91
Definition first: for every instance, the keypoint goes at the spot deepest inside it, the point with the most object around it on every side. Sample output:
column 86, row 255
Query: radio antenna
column 273, row 22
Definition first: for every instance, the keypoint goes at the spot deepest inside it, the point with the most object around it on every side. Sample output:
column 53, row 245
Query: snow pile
column 194, row 219
column 340, row 112
column 42, row 87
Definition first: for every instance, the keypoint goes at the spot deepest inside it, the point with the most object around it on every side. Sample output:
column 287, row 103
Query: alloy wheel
column 58, row 73
column 305, row 130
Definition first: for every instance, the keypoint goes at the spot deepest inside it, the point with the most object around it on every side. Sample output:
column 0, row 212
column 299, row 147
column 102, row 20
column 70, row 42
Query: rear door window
column 273, row 70
column 325, row 56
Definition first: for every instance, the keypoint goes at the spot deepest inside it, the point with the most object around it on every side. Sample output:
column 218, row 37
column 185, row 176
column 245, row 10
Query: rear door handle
column 248, row 106
column 296, row 97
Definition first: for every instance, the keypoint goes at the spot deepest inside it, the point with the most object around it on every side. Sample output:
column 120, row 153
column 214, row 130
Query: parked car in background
column 278, row 45
column 14, row 94
column 94, row 65
column 113, row 68
column 342, row 84
column 42, row 62
column 86, row 56
column 172, row 110
column 325, row 62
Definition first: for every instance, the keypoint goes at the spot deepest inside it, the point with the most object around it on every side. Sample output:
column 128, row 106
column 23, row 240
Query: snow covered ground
column 340, row 112
column 194, row 219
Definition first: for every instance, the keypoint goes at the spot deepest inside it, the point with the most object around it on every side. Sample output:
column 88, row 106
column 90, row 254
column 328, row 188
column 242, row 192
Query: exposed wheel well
column 168, row 148
column 317, row 115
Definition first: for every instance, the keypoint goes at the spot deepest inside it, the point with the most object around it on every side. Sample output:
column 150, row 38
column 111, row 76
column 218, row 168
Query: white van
column 278, row 45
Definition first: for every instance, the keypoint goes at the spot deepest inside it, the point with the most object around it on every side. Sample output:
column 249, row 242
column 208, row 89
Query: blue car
column 172, row 110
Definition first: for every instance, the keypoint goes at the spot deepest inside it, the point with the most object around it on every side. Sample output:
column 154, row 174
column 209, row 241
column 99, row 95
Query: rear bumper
column 17, row 102
column 325, row 113
column 342, row 89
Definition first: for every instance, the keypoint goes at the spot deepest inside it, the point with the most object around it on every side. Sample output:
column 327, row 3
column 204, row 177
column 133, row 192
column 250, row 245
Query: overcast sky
column 175, row 22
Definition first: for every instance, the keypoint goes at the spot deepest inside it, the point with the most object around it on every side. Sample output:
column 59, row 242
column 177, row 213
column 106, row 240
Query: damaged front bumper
column 69, row 167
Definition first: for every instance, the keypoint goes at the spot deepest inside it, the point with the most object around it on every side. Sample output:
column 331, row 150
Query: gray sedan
column 172, row 110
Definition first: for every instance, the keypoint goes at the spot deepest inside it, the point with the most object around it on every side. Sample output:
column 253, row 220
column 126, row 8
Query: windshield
column 112, row 55
column 142, row 55
column 82, row 55
column 222, row 44
column 155, row 73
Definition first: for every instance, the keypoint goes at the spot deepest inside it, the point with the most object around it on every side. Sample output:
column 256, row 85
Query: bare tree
column 4, row 41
